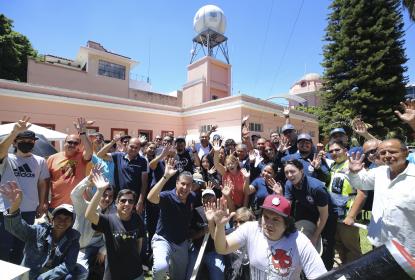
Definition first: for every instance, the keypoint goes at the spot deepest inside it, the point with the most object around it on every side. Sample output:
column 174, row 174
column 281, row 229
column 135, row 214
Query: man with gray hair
column 393, row 212
column 170, row 242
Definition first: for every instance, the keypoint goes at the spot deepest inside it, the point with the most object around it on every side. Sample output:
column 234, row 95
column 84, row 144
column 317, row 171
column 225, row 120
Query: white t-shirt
column 281, row 259
column 26, row 171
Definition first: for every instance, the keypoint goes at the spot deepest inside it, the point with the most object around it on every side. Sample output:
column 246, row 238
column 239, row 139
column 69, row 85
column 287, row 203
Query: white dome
column 311, row 77
column 210, row 16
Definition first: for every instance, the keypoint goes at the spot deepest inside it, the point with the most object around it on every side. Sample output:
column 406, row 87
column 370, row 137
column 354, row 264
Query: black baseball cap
column 27, row 135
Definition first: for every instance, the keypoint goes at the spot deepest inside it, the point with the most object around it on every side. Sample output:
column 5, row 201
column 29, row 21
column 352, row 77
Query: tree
column 363, row 64
column 14, row 50
column 410, row 6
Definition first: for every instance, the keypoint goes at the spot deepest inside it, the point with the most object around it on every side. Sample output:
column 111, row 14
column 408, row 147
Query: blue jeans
column 212, row 260
column 169, row 258
column 11, row 248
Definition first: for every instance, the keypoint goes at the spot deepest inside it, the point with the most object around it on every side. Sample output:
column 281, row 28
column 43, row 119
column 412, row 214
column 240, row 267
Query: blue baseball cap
column 287, row 127
column 337, row 130
column 304, row 136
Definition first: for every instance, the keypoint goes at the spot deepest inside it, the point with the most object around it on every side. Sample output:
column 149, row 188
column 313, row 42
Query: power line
column 261, row 57
column 286, row 47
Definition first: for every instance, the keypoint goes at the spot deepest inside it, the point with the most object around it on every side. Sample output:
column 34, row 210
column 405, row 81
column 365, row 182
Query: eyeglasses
column 334, row 151
column 73, row 143
column 124, row 201
column 371, row 152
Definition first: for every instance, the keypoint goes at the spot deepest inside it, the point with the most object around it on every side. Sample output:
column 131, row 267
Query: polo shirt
column 305, row 201
column 175, row 216
column 127, row 174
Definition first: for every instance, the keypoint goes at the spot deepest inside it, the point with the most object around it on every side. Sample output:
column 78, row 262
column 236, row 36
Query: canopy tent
column 49, row 134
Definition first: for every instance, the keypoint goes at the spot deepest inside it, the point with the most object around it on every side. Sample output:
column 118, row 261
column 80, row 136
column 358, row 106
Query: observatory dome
column 311, row 77
column 210, row 17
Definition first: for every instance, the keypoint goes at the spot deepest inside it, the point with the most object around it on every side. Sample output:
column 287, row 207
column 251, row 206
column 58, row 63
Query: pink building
column 96, row 85
column 308, row 88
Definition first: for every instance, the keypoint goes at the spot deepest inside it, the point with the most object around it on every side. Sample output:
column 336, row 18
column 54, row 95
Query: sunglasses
column 371, row 152
column 73, row 143
column 334, row 151
column 124, row 201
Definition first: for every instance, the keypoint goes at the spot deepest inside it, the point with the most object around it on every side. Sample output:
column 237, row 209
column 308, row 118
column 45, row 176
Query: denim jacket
column 38, row 244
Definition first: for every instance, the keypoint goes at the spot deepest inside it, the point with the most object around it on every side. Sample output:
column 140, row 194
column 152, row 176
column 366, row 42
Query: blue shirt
column 305, row 201
column 127, row 174
column 261, row 192
column 175, row 216
column 108, row 167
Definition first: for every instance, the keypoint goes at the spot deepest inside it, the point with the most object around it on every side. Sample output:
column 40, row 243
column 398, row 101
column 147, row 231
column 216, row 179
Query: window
column 205, row 128
column 167, row 133
column 214, row 97
column 255, row 127
column 118, row 131
column 147, row 133
column 109, row 69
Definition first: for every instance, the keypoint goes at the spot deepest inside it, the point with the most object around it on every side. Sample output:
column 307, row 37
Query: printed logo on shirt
column 125, row 234
column 69, row 168
column 181, row 164
column 280, row 262
column 23, row 171
column 310, row 199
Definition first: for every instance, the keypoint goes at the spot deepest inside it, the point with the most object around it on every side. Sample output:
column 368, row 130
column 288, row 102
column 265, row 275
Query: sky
column 271, row 43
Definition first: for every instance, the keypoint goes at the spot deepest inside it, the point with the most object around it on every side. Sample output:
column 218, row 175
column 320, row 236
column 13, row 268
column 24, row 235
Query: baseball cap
column 277, row 204
column 286, row 127
column 208, row 192
column 180, row 139
column 27, row 134
column 308, row 228
column 216, row 137
column 125, row 137
column 304, row 136
column 65, row 207
column 337, row 130
column 198, row 178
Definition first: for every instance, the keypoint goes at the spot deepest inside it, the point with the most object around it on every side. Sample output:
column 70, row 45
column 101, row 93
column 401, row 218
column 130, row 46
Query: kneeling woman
column 276, row 249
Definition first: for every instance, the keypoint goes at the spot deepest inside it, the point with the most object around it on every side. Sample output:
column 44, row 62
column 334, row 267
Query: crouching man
column 50, row 249
column 123, row 231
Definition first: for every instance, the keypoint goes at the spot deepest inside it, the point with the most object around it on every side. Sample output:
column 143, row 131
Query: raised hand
column 12, row 192
column 274, row 185
column 99, row 180
column 221, row 213
column 245, row 173
column 80, row 125
column 356, row 162
column 22, row 125
column 210, row 211
column 193, row 146
column 227, row 189
column 216, row 146
column 408, row 115
column 170, row 169
column 286, row 112
column 213, row 128
column 320, row 147
column 142, row 139
column 252, row 156
column 212, row 170
column 116, row 138
column 284, row 145
column 316, row 162
column 360, row 127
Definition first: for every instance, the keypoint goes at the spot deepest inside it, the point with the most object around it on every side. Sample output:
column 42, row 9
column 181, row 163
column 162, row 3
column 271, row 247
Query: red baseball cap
column 278, row 204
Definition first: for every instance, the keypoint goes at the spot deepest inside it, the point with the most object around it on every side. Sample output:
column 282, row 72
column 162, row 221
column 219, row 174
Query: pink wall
column 52, row 75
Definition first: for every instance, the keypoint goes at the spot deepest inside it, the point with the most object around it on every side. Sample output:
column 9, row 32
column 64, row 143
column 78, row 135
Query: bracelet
column 82, row 133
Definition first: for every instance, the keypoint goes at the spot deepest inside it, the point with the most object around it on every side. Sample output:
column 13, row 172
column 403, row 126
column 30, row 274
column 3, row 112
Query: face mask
column 25, row 147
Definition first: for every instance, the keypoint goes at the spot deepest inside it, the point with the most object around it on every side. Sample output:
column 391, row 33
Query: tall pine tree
column 364, row 64
column 14, row 50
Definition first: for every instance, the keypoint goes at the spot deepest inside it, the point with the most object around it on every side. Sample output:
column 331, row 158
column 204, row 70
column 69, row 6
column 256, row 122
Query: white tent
column 50, row 134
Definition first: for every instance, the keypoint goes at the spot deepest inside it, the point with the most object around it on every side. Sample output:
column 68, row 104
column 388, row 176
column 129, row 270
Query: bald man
column 393, row 213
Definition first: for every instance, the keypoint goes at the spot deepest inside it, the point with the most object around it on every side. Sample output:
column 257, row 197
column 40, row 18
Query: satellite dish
column 209, row 17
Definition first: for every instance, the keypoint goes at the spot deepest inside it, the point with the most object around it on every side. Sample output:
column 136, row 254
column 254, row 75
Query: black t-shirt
column 121, row 240
column 184, row 162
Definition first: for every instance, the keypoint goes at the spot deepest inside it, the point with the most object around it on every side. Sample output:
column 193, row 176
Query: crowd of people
column 242, row 208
